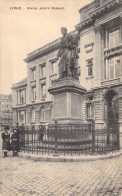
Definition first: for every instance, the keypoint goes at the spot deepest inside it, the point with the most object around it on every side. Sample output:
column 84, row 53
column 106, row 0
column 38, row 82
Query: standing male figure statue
column 68, row 54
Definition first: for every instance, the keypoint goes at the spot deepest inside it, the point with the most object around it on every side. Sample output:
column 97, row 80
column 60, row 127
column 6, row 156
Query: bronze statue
column 68, row 53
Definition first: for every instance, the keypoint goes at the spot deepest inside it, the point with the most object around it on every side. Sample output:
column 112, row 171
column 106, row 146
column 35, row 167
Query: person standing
column 15, row 141
column 41, row 132
column 6, row 141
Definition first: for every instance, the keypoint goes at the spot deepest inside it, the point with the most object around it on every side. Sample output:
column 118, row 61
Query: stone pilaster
column 121, row 28
column 15, row 120
column 37, row 116
column 98, row 53
column 28, row 116
column 37, row 83
column 47, row 79
column 28, row 86
column 121, row 42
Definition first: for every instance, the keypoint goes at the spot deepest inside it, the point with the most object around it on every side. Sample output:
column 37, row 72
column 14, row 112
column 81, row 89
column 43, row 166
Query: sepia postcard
column 60, row 97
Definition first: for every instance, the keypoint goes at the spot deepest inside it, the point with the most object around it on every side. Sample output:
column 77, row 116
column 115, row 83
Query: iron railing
column 74, row 139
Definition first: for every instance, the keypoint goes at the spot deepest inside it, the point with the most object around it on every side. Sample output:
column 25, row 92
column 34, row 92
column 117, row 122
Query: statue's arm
column 59, row 53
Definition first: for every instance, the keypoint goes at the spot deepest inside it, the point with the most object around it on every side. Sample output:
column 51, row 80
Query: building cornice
column 31, row 104
column 46, row 49
column 84, row 24
column 51, row 47
column 20, row 84
column 86, row 6
column 97, row 13
column 109, row 85
column 105, row 8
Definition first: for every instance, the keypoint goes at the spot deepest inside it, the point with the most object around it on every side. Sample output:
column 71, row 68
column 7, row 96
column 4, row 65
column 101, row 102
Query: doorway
column 111, row 108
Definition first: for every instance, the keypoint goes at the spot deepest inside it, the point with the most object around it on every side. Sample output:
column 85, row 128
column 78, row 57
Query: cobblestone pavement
column 22, row 177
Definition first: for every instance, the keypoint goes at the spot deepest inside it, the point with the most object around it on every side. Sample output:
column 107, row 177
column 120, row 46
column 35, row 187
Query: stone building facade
column 6, row 110
column 100, row 63
column 32, row 103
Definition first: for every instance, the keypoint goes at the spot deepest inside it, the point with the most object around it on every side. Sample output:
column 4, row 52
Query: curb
column 60, row 158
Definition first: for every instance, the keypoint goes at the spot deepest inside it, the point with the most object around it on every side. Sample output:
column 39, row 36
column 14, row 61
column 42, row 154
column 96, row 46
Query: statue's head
column 63, row 31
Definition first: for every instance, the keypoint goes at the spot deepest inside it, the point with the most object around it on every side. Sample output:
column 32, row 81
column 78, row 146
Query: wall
column 87, row 37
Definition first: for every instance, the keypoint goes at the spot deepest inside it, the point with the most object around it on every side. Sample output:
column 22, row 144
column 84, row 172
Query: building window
column 53, row 67
column 89, row 64
column 114, row 67
column 21, row 116
column 21, row 97
column 42, row 114
column 33, row 74
column 89, row 47
column 33, row 93
column 89, row 110
column 42, row 71
column 43, row 90
column 106, row 111
column 114, row 38
column 33, row 115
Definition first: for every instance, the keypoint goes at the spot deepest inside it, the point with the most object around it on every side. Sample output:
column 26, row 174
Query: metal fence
column 74, row 139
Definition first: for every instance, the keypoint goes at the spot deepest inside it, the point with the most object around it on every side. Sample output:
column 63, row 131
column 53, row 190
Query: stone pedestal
column 67, row 100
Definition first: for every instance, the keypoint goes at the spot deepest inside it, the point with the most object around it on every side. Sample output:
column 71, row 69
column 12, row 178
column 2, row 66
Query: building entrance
column 111, row 108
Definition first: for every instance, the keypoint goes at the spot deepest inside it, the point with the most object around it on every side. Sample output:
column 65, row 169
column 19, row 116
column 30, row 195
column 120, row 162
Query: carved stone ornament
column 98, row 29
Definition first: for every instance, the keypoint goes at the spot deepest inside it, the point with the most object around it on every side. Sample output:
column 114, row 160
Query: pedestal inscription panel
column 60, row 103
column 75, row 105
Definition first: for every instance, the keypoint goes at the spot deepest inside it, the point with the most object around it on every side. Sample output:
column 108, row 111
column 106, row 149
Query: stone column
column 98, row 54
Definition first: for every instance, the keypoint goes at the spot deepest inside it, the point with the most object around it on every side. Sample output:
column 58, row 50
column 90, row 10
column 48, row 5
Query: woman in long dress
column 6, row 141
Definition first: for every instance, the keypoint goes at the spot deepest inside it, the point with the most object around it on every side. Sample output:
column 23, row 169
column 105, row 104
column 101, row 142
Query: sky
column 24, row 30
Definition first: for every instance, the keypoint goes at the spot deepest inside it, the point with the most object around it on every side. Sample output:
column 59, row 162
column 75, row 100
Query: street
column 22, row 177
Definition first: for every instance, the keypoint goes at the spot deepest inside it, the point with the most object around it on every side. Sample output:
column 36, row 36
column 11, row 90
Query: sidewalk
column 68, row 158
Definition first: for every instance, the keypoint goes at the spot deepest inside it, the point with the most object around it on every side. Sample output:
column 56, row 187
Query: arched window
column 42, row 114
column 33, row 115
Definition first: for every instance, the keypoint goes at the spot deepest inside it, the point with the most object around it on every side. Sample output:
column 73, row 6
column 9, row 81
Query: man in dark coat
column 41, row 132
column 15, row 142
column 6, row 141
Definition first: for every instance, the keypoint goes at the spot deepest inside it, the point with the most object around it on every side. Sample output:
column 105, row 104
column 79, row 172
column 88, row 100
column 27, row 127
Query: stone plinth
column 67, row 98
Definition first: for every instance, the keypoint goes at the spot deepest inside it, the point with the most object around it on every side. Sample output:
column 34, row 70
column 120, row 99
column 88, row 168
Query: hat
column 6, row 127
